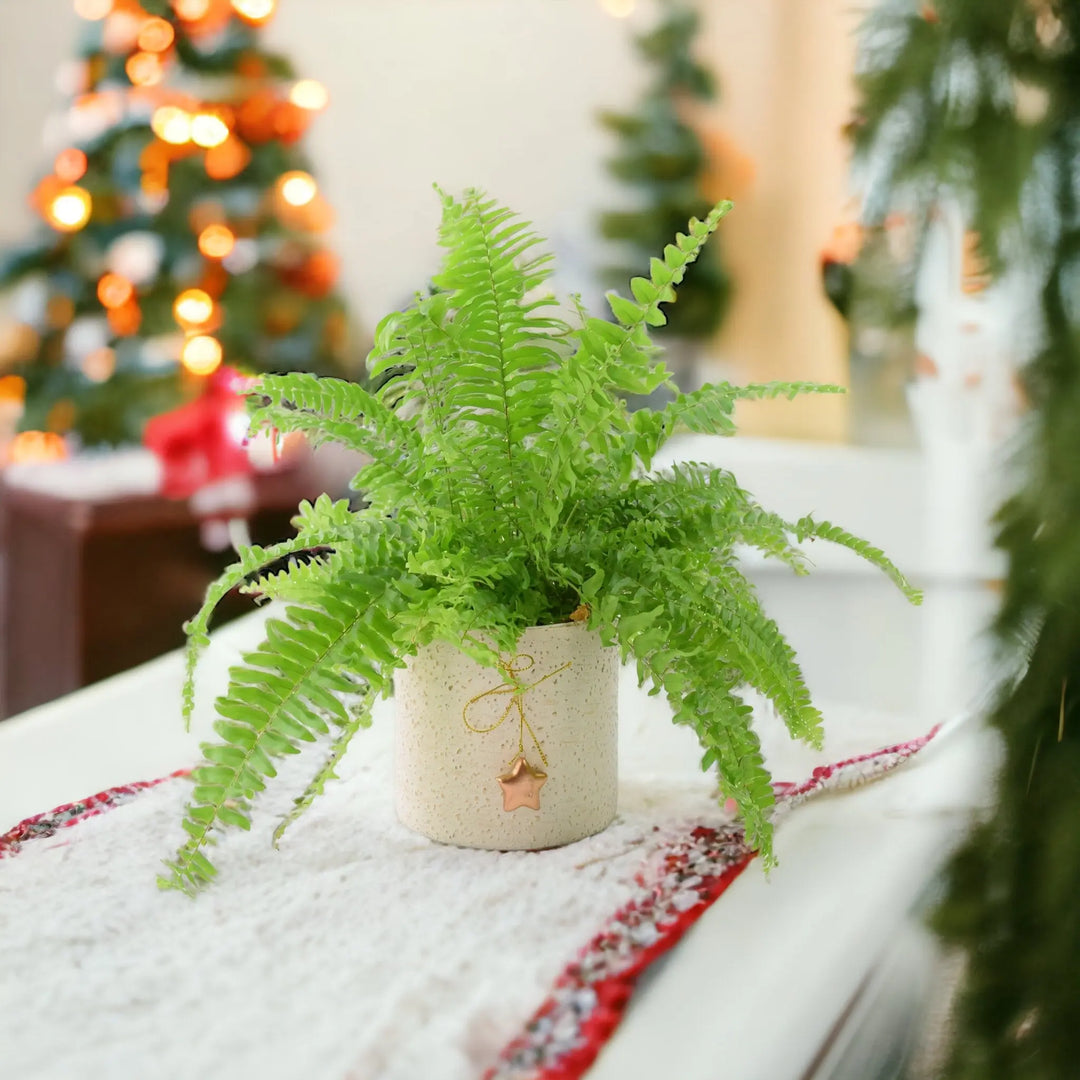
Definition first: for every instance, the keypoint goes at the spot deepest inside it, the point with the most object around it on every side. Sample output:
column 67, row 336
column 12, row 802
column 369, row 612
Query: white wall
column 500, row 94
column 503, row 94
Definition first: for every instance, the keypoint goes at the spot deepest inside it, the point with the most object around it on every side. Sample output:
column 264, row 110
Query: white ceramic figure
column 971, row 336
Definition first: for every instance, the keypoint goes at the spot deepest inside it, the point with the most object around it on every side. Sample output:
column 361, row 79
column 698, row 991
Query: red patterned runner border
column 63, row 817
column 691, row 871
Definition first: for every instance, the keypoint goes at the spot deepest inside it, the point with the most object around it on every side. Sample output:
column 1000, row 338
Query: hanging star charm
column 521, row 785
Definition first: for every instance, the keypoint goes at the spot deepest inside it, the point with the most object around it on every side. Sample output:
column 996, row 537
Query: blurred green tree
column 181, row 225
column 663, row 158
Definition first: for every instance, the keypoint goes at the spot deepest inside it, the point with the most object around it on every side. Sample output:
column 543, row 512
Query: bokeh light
column 145, row 68
column 309, row 94
column 193, row 308
column 171, row 124
column 254, row 11
column 208, row 130
column 297, row 188
column 33, row 447
column 93, row 9
column 12, row 389
column 114, row 290
column 69, row 209
column 99, row 364
column 217, row 241
column 202, row 354
column 191, row 10
column 70, row 165
column 227, row 160
column 156, row 35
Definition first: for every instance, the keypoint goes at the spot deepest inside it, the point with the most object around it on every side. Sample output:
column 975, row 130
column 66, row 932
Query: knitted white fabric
column 359, row 950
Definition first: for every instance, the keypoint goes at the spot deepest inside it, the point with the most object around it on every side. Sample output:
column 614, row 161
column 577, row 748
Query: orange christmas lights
column 193, row 308
column 201, row 354
column 34, row 447
column 125, row 320
column 69, row 209
column 93, row 9
column 171, row 124
column 309, row 94
column 99, row 365
column 255, row 12
column 156, row 35
column 145, row 68
column 114, row 290
column 191, row 10
column 297, row 188
column 208, row 130
column 70, row 165
column 217, row 241
column 12, row 389
column 121, row 30
column 227, row 160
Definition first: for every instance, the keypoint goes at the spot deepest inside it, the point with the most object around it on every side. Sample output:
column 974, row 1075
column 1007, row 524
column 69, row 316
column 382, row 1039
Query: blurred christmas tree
column 663, row 157
column 182, row 228
column 983, row 99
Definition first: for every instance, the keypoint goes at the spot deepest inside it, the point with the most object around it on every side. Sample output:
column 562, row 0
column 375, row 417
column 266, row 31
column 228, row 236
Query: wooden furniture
column 93, row 586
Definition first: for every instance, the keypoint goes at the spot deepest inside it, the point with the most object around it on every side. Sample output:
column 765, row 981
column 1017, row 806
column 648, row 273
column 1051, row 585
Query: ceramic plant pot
column 479, row 766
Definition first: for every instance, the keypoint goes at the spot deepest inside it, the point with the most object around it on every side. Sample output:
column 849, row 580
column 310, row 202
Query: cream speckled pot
column 460, row 731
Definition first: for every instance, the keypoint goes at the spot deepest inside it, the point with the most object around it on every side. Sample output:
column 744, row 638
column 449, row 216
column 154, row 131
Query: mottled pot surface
column 459, row 728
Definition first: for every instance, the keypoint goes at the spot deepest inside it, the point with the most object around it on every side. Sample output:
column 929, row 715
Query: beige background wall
column 502, row 94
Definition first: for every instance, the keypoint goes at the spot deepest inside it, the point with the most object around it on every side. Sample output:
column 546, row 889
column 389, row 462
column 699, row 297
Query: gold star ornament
column 521, row 785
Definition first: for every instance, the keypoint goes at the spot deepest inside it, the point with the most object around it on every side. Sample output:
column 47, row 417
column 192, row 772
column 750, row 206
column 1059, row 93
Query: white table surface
column 759, row 982
column 757, row 986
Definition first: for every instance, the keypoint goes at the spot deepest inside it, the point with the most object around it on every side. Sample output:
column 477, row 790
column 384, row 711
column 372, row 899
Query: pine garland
column 984, row 98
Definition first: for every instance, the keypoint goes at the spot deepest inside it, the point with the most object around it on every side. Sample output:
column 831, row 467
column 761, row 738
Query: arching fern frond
column 506, row 348
column 710, row 411
column 282, row 695
column 587, row 414
column 807, row 528
column 360, row 717
column 253, row 560
column 325, row 408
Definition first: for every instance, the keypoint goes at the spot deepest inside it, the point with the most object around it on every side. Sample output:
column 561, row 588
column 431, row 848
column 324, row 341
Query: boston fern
column 507, row 485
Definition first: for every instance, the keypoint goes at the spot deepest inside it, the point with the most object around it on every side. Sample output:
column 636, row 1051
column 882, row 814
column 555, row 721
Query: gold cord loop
column 512, row 668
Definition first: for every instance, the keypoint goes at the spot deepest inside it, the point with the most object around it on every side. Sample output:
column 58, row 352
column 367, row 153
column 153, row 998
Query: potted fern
column 512, row 542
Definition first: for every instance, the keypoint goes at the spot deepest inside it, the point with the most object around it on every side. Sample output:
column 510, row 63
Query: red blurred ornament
column 314, row 276
column 251, row 66
column 255, row 117
column 289, row 121
column 204, row 441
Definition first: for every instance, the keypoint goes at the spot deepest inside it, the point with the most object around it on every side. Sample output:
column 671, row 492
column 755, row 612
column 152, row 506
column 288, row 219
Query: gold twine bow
column 513, row 668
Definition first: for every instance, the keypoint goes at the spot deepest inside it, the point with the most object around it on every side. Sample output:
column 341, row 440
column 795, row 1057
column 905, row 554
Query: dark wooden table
column 93, row 587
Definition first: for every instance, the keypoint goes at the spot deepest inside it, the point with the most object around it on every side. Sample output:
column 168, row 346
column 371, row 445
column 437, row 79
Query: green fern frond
column 276, row 699
column 710, row 411
column 731, row 746
column 759, row 649
column 325, row 408
column 628, row 356
column 807, row 528
column 360, row 717
column 253, row 560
